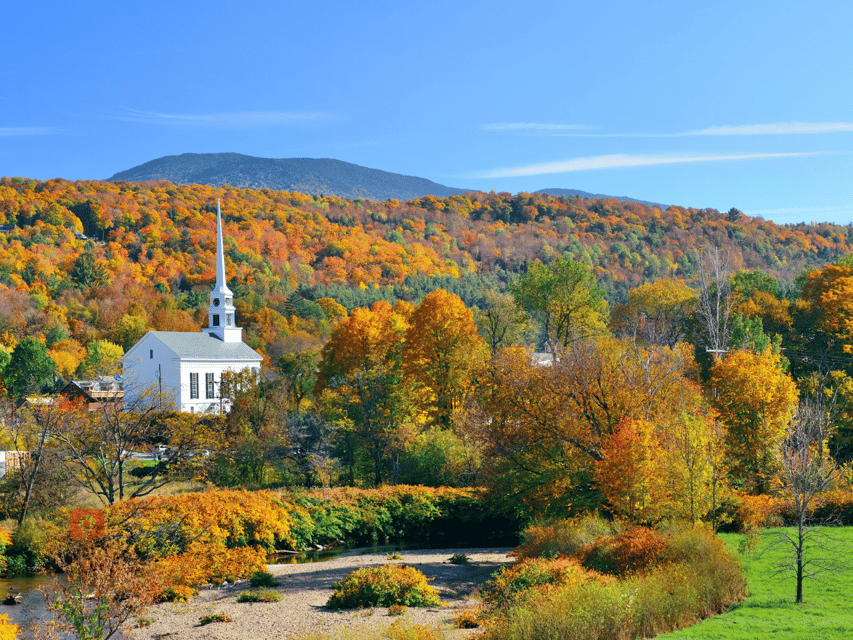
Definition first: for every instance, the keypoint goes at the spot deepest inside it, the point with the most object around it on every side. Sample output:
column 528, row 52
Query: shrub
column 836, row 506
column 459, row 558
column 466, row 619
column 755, row 512
column 563, row 538
column 30, row 548
column 166, row 525
column 398, row 631
column 396, row 610
column 631, row 551
column 394, row 556
column 363, row 516
column 177, row 593
column 214, row 617
column 264, row 595
column 204, row 564
column 263, row 579
column 690, row 577
column 382, row 587
column 509, row 585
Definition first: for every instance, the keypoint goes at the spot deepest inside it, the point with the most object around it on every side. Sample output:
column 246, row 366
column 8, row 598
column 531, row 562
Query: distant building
column 187, row 367
column 12, row 461
column 95, row 392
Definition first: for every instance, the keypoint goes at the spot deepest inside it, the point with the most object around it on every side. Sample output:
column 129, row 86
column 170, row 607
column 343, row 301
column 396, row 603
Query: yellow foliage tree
column 656, row 312
column 756, row 400
column 441, row 352
column 361, row 367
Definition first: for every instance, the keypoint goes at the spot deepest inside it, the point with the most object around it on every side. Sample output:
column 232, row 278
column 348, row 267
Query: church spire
column 220, row 313
column 220, row 254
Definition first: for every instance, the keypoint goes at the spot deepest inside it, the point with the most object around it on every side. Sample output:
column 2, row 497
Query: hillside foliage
column 85, row 261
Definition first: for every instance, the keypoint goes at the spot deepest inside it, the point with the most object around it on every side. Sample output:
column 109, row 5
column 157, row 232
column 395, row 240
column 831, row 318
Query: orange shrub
column 634, row 550
column 565, row 537
column 754, row 512
column 836, row 506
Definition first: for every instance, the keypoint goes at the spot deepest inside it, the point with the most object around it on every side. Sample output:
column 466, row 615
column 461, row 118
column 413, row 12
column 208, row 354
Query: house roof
column 104, row 388
column 202, row 346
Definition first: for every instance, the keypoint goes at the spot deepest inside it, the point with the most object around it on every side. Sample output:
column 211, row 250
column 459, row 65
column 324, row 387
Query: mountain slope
column 594, row 196
column 313, row 176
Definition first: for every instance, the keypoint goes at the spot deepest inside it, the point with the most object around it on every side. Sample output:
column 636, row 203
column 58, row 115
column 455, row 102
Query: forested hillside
column 92, row 261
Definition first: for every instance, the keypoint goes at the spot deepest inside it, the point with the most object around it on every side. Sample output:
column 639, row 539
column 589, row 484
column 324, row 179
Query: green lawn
column 770, row 612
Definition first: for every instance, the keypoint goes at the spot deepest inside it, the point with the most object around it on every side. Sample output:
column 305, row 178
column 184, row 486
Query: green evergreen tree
column 29, row 369
column 87, row 271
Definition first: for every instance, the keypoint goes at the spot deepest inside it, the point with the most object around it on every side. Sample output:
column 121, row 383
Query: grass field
column 770, row 612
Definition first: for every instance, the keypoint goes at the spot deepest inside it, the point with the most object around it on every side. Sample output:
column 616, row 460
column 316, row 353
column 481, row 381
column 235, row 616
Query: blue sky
column 725, row 104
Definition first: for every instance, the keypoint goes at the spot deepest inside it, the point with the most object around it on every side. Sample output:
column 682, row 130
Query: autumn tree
column 828, row 305
column 361, row 369
column 98, row 445
column 500, row 322
column 442, row 349
column 756, row 399
column 630, row 474
column 256, row 406
column 543, row 427
column 564, row 298
column 103, row 358
column 657, row 312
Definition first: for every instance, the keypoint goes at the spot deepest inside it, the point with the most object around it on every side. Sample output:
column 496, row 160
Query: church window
column 151, row 354
column 215, row 319
column 208, row 386
column 229, row 320
column 193, row 386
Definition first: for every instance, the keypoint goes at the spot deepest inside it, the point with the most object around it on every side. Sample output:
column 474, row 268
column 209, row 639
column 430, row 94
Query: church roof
column 202, row 346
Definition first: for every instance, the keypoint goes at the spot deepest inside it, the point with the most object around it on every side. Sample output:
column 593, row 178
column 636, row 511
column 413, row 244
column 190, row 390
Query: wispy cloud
column 26, row 131
column 776, row 128
column 236, row 120
column 534, row 126
column 620, row 161
column 586, row 131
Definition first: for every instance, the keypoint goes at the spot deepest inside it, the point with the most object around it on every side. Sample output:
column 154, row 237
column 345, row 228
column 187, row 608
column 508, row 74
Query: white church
column 187, row 367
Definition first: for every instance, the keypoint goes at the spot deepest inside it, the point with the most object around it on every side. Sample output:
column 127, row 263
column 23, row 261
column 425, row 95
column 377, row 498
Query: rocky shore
column 305, row 588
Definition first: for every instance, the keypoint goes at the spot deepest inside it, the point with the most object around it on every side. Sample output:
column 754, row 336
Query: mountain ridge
column 313, row 176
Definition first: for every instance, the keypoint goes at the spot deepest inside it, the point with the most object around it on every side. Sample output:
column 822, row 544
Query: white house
column 186, row 367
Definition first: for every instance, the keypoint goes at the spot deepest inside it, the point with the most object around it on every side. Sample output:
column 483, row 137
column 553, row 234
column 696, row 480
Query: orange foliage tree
column 630, row 474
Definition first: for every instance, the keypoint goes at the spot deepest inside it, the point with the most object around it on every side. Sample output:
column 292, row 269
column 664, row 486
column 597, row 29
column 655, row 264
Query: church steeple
column 220, row 313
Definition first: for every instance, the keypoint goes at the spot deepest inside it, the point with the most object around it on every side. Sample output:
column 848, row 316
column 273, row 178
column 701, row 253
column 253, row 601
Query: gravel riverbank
column 306, row 588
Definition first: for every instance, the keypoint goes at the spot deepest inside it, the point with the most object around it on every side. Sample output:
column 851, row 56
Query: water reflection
column 32, row 605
